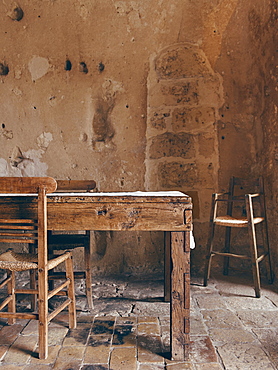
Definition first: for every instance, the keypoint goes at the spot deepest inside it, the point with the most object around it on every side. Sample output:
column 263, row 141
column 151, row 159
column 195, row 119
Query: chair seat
column 234, row 221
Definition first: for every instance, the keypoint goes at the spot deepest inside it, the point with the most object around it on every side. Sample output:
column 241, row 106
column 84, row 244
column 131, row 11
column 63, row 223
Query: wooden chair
column 245, row 209
column 16, row 227
column 70, row 240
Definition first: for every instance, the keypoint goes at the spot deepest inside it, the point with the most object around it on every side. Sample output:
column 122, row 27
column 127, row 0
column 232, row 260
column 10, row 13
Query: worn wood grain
column 26, row 185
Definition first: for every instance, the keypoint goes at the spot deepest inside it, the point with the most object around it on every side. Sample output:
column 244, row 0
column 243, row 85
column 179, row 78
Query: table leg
column 180, row 295
column 167, row 266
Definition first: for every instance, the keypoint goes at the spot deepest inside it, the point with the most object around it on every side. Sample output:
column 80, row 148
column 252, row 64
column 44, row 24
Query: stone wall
column 141, row 95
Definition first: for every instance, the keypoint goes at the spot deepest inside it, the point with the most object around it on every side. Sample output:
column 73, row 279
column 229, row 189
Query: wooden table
column 139, row 211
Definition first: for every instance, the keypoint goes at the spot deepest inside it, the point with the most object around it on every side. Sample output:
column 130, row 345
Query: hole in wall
column 4, row 69
column 101, row 67
column 83, row 67
column 68, row 65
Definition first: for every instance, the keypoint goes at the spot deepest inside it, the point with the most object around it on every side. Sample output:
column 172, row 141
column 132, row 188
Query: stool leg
column 253, row 246
column 210, row 240
column 209, row 254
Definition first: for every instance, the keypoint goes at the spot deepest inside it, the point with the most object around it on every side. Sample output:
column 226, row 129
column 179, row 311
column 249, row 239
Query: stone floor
column 129, row 329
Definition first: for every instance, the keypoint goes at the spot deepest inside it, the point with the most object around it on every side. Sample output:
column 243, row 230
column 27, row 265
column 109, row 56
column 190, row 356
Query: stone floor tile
column 272, row 295
column 151, row 329
column 151, row 367
column 21, row 350
column 149, row 343
column 197, row 326
column 3, row 350
column 126, row 320
column 84, row 317
column 179, row 366
column 56, row 336
column 210, row 302
column 249, row 303
column 123, row 359
column 202, row 350
column 269, row 340
column 72, row 352
column 259, row 318
column 78, row 336
column 38, row 367
column 66, row 364
column 97, row 355
column 238, row 335
column 146, row 356
column 151, row 309
column 95, row 367
column 244, row 356
column 31, row 328
column 148, row 319
column 9, row 333
column 124, row 335
column 12, row 367
column 221, row 319
column 99, row 340
column 103, row 326
column 209, row 366
column 51, row 358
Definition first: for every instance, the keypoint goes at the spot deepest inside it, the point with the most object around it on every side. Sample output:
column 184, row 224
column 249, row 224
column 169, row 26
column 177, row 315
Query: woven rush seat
column 232, row 221
column 13, row 261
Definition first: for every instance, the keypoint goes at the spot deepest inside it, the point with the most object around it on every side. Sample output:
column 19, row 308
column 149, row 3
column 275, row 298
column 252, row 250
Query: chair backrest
column 24, row 230
column 75, row 185
column 26, row 185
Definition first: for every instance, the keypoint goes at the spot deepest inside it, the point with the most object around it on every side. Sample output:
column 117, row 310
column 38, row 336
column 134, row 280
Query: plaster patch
column 24, row 164
column 38, row 67
column 17, row 91
column 44, row 140
column 32, row 165
column 7, row 134
column 110, row 88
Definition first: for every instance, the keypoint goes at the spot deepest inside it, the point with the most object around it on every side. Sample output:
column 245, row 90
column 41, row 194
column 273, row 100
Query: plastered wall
column 141, row 95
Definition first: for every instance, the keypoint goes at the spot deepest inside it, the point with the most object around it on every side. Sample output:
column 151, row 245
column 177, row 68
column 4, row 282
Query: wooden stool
column 255, row 216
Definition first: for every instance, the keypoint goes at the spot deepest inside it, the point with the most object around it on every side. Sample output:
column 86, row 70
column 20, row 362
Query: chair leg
column 43, row 313
column 71, row 293
column 88, row 274
column 11, row 292
column 209, row 254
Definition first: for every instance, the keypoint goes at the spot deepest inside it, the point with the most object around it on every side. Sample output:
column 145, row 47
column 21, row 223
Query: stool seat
column 234, row 221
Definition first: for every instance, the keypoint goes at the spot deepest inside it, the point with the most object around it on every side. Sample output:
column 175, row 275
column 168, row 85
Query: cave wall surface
column 141, row 95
